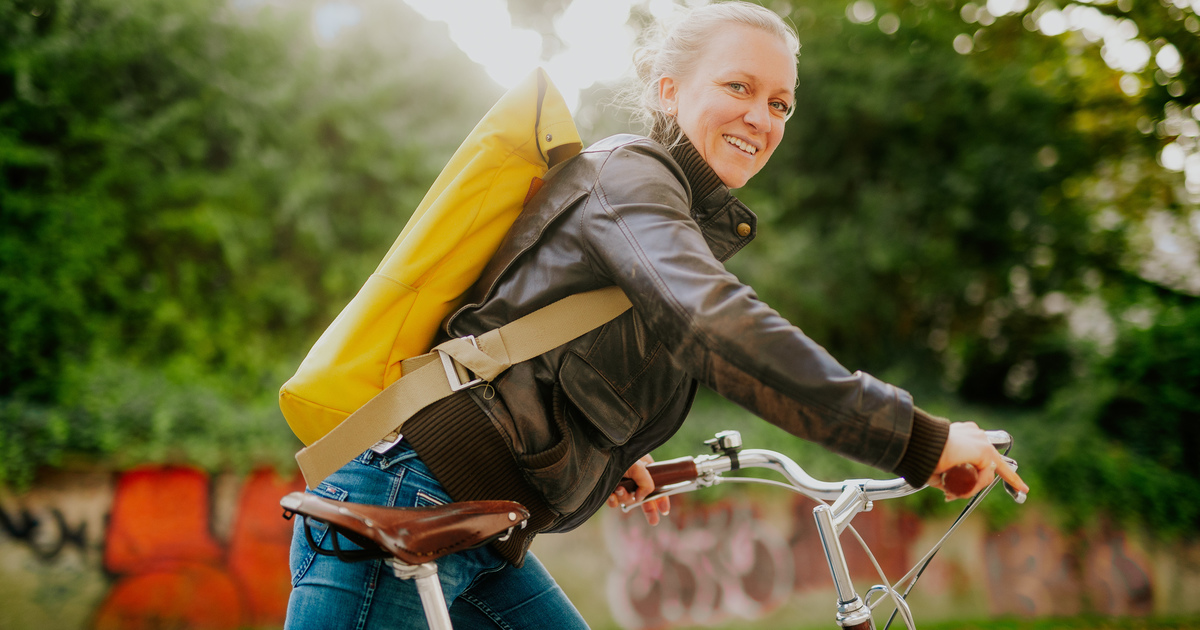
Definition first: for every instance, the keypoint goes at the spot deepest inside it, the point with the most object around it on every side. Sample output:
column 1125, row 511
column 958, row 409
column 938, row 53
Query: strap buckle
column 459, row 377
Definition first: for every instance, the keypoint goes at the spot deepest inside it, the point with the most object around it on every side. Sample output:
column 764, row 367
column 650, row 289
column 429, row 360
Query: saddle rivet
column 549, row 137
column 512, row 516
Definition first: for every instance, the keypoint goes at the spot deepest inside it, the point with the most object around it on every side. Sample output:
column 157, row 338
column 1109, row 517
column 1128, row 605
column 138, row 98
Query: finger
column 663, row 504
column 1010, row 475
column 650, row 509
column 619, row 497
column 645, row 482
column 986, row 474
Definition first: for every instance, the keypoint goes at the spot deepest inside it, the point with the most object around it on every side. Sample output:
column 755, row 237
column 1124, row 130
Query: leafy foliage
column 191, row 190
column 189, row 194
column 966, row 225
column 923, row 200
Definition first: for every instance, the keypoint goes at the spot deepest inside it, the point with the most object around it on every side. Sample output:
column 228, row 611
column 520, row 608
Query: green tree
column 189, row 192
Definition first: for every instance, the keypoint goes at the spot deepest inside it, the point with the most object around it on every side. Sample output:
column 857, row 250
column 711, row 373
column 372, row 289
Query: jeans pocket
column 418, row 487
column 301, row 553
column 428, row 499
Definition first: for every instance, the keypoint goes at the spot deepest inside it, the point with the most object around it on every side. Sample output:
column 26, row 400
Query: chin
column 735, row 175
column 734, row 180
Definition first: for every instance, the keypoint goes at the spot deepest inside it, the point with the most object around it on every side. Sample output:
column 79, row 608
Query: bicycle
column 850, row 497
column 411, row 540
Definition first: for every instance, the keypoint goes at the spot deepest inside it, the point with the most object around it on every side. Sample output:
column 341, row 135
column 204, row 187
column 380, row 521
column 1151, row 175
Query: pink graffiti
column 702, row 565
column 888, row 532
column 1034, row 570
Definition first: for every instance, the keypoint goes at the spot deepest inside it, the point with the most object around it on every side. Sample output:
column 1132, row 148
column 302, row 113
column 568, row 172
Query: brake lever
column 1016, row 495
column 667, row 491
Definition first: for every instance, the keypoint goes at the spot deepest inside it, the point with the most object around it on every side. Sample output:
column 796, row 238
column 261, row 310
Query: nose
column 759, row 116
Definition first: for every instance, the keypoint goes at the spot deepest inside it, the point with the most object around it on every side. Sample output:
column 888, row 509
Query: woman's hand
column 968, row 444
column 645, row 485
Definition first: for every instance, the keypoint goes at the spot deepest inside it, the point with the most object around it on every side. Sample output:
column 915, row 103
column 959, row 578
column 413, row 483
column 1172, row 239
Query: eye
column 781, row 108
column 738, row 87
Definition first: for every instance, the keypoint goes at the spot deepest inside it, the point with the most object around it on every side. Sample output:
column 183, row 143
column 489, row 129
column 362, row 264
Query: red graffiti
column 170, row 569
column 258, row 549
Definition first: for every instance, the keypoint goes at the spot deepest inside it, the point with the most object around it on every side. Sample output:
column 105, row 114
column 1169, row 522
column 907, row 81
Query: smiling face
column 733, row 104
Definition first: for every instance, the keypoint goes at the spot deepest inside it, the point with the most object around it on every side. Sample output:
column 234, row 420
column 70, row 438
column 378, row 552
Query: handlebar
column 839, row 502
column 687, row 473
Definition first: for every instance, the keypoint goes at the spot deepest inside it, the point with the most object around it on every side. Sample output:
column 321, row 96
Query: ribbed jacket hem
column 455, row 438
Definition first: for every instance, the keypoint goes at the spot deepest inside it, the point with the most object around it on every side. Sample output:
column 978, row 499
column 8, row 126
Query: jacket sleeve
column 640, row 235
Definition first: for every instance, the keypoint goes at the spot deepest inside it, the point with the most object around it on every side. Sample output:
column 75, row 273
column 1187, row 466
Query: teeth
column 748, row 148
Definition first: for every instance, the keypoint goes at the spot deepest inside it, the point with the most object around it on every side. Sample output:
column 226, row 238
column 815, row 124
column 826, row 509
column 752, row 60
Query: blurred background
column 994, row 205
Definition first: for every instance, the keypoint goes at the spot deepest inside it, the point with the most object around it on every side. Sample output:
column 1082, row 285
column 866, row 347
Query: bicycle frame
column 849, row 498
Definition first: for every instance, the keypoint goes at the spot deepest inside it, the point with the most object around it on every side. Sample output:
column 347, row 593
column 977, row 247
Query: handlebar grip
column 665, row 473
column 960, row 480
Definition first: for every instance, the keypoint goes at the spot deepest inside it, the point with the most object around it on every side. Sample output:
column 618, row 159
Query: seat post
column 429, row 587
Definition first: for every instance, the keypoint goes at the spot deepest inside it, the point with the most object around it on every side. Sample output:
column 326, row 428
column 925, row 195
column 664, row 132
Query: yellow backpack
column 440, row 253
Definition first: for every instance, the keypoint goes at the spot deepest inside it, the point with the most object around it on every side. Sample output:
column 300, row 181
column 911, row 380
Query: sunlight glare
column 598, row 40
column 485, row 33
column 598, row 45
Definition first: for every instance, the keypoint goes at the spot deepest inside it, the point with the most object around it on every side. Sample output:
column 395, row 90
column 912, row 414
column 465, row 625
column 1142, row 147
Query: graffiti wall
column 148, row 548
column 719, row 563
column 175, row 548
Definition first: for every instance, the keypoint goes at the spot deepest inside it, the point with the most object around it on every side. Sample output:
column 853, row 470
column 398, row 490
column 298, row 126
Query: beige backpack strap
column 431, row 377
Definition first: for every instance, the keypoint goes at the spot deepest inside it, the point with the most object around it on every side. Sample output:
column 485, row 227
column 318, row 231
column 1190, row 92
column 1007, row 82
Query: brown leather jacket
column 626, row 212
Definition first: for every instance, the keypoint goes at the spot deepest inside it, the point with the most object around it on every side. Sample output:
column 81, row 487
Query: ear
column 668, row 94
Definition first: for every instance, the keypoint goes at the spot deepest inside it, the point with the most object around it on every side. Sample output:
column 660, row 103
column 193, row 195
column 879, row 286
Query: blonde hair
column 675, row 49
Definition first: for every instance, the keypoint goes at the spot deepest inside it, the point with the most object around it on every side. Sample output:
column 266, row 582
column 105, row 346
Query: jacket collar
column 727, row 224
column 700, row 176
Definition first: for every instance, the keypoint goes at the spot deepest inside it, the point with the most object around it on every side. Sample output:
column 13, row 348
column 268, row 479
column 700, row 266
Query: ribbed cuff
column 925, row 447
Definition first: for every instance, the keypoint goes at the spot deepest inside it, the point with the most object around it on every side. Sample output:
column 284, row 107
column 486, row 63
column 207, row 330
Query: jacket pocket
column 565, row 473
column 614, row 420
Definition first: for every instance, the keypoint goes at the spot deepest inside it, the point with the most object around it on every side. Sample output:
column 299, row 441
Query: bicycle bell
column 725, row 442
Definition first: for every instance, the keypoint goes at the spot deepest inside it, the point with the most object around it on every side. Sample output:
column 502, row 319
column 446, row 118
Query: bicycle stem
column 852, row 612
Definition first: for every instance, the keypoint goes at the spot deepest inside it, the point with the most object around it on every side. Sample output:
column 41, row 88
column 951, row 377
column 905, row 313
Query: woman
column 655, row 217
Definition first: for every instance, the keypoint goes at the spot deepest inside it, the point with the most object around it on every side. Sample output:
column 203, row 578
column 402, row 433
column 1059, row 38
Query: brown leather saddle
column 411, row 535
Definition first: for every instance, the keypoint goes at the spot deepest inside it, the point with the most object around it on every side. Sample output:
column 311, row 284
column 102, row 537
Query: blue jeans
column 483, row 590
